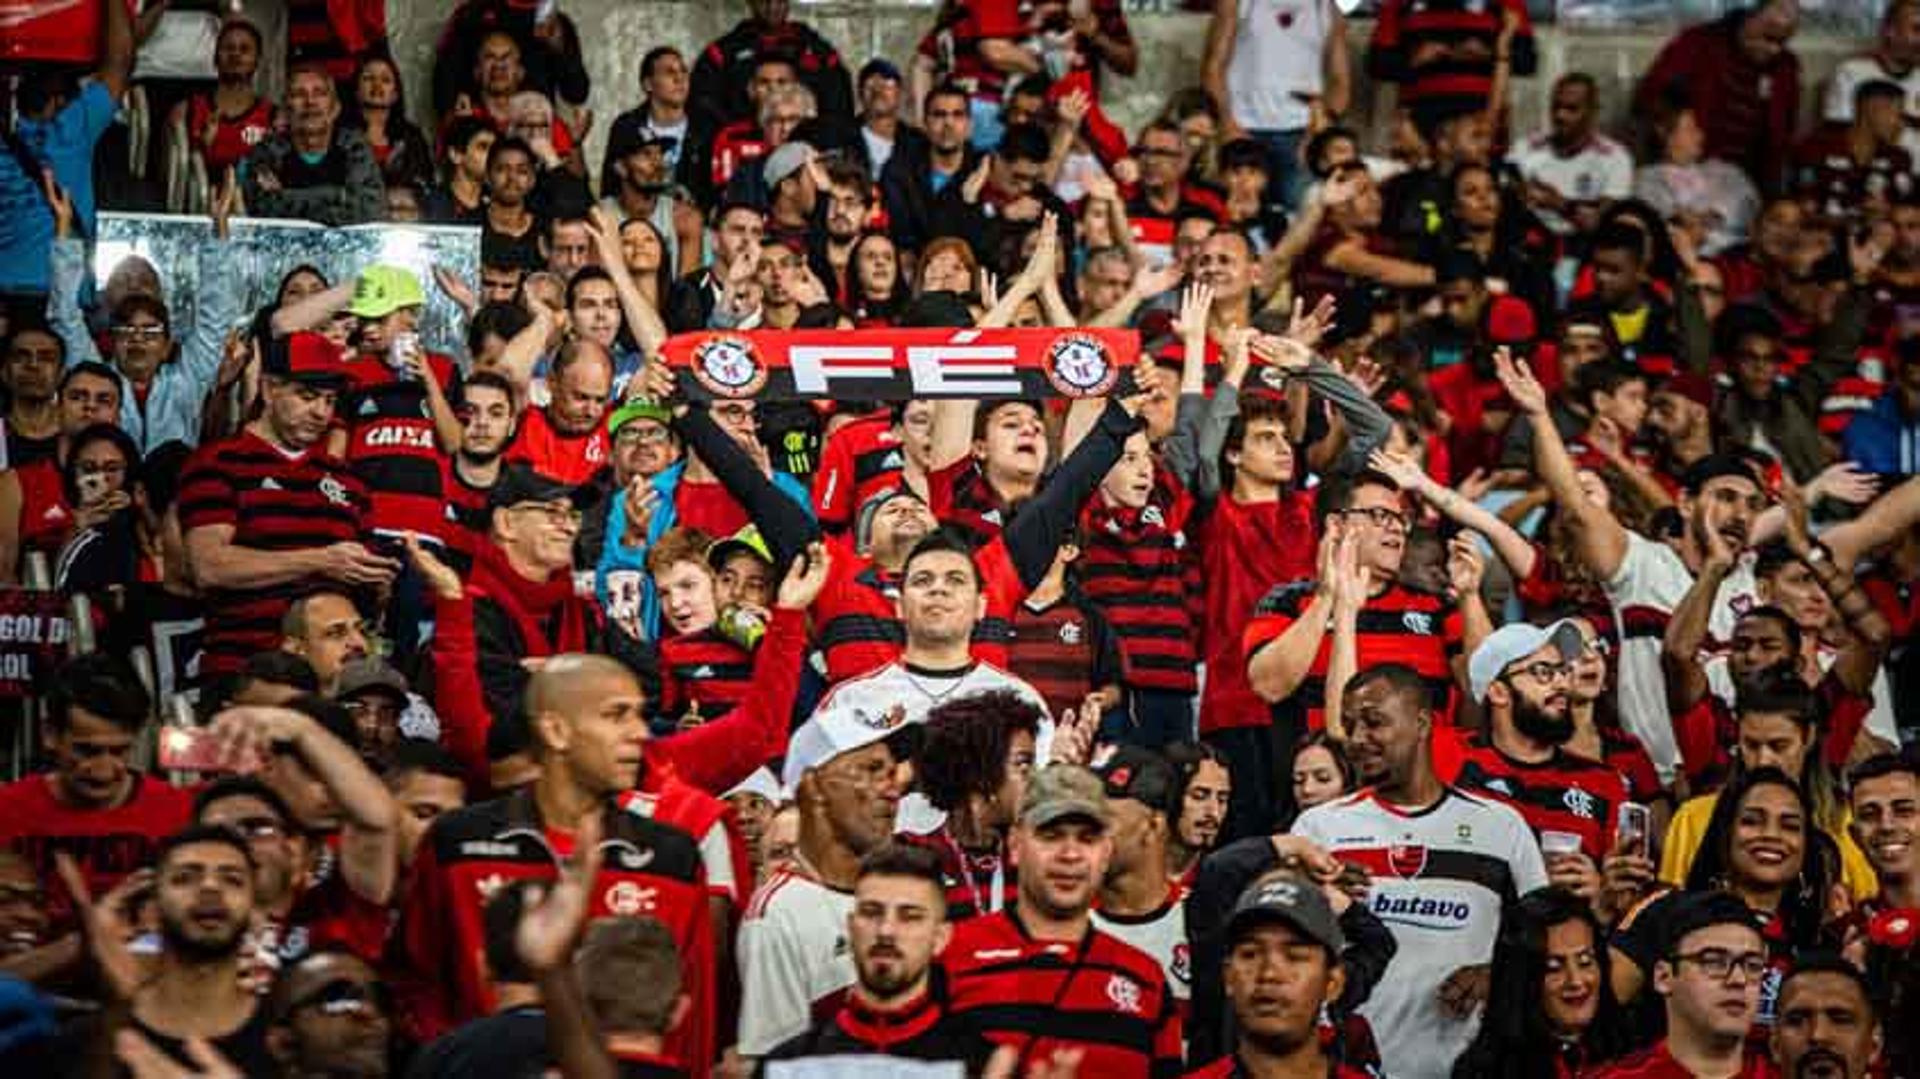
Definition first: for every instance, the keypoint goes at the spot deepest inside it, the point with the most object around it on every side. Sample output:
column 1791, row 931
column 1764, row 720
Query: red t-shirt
column 1246, row 551
column 107, row 844
column 570, row 459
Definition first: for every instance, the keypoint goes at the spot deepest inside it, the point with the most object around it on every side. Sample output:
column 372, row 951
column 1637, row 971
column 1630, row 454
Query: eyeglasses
column 21, row 895
column 1381, row 517
column 1544, row 671
column 344, row 996
column 634, row 435
column 1718, row 963
column 142, row 333
column 555, row 514
column 1595, row 646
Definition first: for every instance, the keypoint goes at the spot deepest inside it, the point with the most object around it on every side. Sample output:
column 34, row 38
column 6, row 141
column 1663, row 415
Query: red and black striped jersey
column 1404, row 28
column 1099, row 995
column 391, row 444
column 1707, row 732
column 1623, row 753
column 273, row 502
column 1564, row 794
column 860, row 460
column 859, row 622
column 1229, row 1067
column 1065, row 650
column 704, row 668
column 966, row 503
column 467, row 518
column 1400, row 625
column 976, row 883
column 1137, row 568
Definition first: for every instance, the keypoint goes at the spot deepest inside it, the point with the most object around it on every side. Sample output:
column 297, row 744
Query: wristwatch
column 1817, row 553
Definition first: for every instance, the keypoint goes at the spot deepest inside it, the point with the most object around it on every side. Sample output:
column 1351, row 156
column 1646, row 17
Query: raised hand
column 1525, row 390
column 225, row 204
column 805, row 578
column 1307, row 329
column 440, row 578
column 1151, row 281
column 61, row 205
column 976, row 181
column 1465, row 566
column 1341, row 188
column 1196, row 302
column 1366, row 375
column 1282, row 352
column 1844, row 482
column 106, row 924
column 1403, row 470
column 455, row 288
column 553, row 921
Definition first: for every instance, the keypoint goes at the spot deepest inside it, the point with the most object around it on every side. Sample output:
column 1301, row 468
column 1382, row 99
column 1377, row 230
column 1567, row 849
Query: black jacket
column 907, row 186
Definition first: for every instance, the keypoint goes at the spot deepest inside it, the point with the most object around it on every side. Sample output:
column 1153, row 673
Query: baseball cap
column 637, row 410
column 519, row 483
column 382, row 290
column 1691, row 385
column 790, row 158
column 1288, row 898
column 863, row 521
column 1516, row 641
column 881, row 66
column 747, row 540
column 763, row 783
column 1128, row 771
column 1060, row 791
column 305, row 357
column 839, row 726
column 370, row 675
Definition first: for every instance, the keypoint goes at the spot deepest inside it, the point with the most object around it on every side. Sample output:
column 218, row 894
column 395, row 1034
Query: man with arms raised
column 1443, row 864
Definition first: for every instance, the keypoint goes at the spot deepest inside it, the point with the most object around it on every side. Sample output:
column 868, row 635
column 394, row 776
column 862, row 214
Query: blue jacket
column 172, row 408
column 621, row 577
column 1884, row 441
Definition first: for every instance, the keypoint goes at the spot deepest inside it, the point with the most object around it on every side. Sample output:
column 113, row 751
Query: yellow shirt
column 1689, row 827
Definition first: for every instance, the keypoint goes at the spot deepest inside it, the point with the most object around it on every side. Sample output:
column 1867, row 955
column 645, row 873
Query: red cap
column 1510, row 321
column 307, row 357
column 1691, row 385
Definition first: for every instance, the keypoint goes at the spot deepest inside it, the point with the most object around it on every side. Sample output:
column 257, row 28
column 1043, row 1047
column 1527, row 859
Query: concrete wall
column 617, row 33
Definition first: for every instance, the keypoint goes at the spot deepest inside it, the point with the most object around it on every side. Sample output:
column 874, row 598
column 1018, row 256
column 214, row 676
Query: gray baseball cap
column 1516, row 641
column 1286, row 897
column 1060, row 791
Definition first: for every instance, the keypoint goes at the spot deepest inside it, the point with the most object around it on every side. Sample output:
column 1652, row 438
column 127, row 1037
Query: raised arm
column 524, row 349
column 1221, row 410
column 784, row 523
column 1343, row 659
column 1181, row 450
column 1036, row 531
column 1868, row 633
column 313, row 311
column 1278, row 667
column 369, row 836
column 649, row 332
column 1511, row 547
column 1600, row 540
column 1688, row 628
column 1218, row 57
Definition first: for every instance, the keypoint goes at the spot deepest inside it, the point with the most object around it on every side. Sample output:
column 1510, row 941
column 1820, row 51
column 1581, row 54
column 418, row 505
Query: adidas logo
column 702, row 671
column 368, row 408
column 271, row 484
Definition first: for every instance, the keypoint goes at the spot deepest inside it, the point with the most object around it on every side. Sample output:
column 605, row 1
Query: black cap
column 1245, row 154
column 1286, row 897
column 1712, row 467
column 519, row 482
column 1129, row 771
column 881, row 66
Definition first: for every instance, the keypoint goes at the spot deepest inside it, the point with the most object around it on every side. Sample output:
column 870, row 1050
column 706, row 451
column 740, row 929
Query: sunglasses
column 344, row 996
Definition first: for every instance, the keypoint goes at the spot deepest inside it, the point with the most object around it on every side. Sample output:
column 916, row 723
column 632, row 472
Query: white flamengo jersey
column 1650, row 582
column 795, row 961
column 1440, row 878
column 1162, row 935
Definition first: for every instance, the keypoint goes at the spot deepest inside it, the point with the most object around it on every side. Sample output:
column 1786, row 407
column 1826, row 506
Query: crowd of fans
column 1472, row 640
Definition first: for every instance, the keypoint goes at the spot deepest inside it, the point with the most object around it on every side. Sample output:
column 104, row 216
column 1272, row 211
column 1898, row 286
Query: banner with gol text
column 33, row 639
column 902, row 364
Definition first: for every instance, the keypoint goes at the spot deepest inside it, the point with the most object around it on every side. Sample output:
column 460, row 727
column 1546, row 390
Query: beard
column 891, row 980
column 1541, row 725
column 200, row 949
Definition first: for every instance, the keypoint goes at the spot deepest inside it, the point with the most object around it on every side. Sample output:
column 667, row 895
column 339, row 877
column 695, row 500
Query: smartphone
column 1636, row 826
column 92, row 485
column 190, row 749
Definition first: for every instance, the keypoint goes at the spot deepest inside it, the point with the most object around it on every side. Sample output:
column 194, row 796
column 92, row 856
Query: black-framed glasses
column 1381, row 517
column 1718, row 963
column 1543, row 671
column 344, row 996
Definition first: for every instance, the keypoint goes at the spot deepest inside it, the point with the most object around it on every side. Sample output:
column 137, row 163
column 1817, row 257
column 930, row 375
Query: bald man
column 588, row 738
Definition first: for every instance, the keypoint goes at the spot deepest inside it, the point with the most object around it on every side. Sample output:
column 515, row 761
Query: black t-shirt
column 511, row 1045
column 22, row 450
column 246, row 1047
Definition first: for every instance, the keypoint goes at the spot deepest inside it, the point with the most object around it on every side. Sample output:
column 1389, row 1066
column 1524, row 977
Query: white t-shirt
column 1650, row 583
column 1602, row 170
column 1278, row 51
column 794, row 955
column 879, row 151
column 1440, row 880
column 1855, row 70
column 918, row 692
column 1162, row 935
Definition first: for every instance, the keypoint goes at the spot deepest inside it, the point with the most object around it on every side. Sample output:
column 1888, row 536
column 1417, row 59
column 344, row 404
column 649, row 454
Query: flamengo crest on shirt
column 903, row 364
